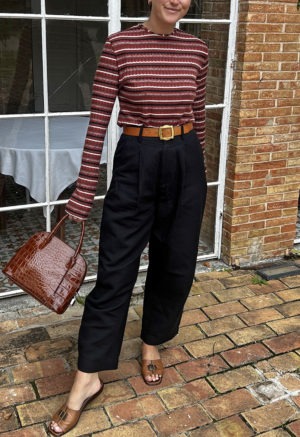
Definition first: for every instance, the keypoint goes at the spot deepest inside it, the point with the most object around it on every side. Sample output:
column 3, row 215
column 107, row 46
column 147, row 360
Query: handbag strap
column 78, row 249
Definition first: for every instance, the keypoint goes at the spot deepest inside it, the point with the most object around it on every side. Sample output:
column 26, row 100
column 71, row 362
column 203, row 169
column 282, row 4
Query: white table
column 22, row 153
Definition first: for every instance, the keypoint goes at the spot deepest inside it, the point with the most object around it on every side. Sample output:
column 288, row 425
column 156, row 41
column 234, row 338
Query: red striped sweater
column 159, row 79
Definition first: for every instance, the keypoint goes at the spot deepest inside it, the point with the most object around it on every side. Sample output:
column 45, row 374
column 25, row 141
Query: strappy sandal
column 67, row 419
column 150, row 368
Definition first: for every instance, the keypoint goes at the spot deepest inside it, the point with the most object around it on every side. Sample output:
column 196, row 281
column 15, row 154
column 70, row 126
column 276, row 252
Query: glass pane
column 16, row 227
column 217, row 9
column 20, row 6
column 134, row 8
column 207, row 234
column 21, row 84
column 22, row 157
column 77, row 7
column 216, row 37
column 73, row 49
column 212, row 143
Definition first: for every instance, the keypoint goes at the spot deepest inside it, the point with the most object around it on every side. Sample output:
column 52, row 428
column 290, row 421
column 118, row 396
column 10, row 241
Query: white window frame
column 114, row 20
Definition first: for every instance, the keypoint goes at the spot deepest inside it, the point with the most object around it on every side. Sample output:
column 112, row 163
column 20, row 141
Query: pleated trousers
column 156, row 196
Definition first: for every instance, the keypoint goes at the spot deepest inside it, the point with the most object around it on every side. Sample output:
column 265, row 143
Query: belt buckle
column 161, row 129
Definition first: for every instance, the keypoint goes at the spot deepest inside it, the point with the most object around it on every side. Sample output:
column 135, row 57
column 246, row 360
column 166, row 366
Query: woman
column 157, row 193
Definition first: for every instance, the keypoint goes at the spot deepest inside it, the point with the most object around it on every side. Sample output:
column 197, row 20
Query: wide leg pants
column 157, row 195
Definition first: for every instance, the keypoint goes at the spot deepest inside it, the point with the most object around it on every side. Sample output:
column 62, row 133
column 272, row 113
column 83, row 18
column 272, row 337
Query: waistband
column 166, row 132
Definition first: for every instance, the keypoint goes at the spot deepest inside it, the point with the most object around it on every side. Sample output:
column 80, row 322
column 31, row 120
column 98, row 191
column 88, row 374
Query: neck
column 161, row 29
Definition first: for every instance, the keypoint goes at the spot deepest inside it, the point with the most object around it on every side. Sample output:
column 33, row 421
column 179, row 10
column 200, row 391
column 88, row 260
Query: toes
column 55, row 427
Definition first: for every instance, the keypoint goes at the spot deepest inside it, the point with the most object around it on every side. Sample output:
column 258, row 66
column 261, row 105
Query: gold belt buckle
column 161, row 129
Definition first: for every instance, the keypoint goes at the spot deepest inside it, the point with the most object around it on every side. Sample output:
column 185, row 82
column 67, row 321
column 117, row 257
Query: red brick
column 31, row 371
column 55, row 385
column 181, row 420
column 294, row 427
column 8, row 420
column 230, row 427
column 174, row 355
column 284, row 343
column 246, row 354
column 202, row 367
column 125, row 370
column 229, row 404
column 30, row 431
column 16, row 394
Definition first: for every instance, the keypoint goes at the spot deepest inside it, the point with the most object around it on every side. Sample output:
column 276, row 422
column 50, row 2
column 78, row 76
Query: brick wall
column 263, row 169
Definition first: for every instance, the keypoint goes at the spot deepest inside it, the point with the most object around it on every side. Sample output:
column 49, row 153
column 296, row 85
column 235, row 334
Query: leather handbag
column 48, row 269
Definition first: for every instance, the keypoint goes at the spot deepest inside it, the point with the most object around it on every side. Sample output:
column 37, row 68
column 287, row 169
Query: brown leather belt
column 166, row 132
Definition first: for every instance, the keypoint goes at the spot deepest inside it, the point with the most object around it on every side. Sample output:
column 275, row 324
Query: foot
column 152, row 369
column 84, row 387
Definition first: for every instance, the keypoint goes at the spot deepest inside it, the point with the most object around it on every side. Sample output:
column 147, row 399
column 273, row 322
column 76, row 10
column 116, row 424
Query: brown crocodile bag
column 48, row 269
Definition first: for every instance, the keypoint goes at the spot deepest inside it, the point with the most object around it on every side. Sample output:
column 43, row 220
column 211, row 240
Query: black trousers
column 157, row 195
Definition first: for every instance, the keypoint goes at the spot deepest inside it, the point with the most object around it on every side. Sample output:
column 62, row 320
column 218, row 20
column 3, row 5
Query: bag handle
column 78, row 249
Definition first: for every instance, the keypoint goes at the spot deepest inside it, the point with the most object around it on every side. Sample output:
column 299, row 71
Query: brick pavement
column 233, row 370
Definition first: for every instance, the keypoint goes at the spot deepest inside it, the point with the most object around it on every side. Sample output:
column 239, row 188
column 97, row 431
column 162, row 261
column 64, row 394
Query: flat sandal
column 66, row 418
column 150, row 368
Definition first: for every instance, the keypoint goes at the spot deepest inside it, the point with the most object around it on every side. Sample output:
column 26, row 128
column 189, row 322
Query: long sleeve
column 199, row 104
column 105, row 90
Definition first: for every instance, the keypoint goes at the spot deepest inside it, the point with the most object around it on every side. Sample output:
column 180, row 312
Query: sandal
column 150, row 368
column 67, row 419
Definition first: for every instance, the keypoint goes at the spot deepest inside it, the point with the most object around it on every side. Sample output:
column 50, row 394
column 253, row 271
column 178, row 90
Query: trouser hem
column 96, row 367
column 154, row 341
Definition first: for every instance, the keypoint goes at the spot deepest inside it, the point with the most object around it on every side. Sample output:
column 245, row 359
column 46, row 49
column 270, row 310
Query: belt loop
column 182, row 131
column 140, row 137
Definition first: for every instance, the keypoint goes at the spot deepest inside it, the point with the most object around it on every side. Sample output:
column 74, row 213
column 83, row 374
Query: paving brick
column 186, row 334
column 263, row 301
column 270, row 416
column 260, row 316
column 292, row 281
column 125, row 370
column 11, row 358
column 4, row 377
column 199, row 389
column 64, row 330
column 91, row 421
column 285, row 325
column 48, row 349
column 192, row 317
column 284, row 343
column 39, row 411
column 246, row 354
column 133, row 329
column 113, row 392
column 294, row 427
column 296, row 400
column 180, row 420
column 238, row 281
column 288, row 362
column 8, row 326
column 289, row 295
column 174, row 355
column 171, row 377
column 196, row 302
column 229, row 427
column 230, row 404
column 31, row 371
column 55, row 384
column 209, row 346
column 21, row 339
column 251, row 334
column 202, row 367
column 217, row 274
column 279, row 432
column 16, row 395
column 232, row 294
column 8, row 420
column 175, row 397
column 31, row 431
column 289, row 309
column 206, row 286
column 234, row 379
column 141, row 428
column 290, row 382
column 134, row 409
column 224, row 309
column 272, row 286
column 131, row 349
column 223, row 325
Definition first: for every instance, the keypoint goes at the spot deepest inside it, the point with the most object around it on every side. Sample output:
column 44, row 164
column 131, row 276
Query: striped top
column 159, row 79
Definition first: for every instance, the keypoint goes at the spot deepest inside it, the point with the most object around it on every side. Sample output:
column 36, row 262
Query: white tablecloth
column 22, row 153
